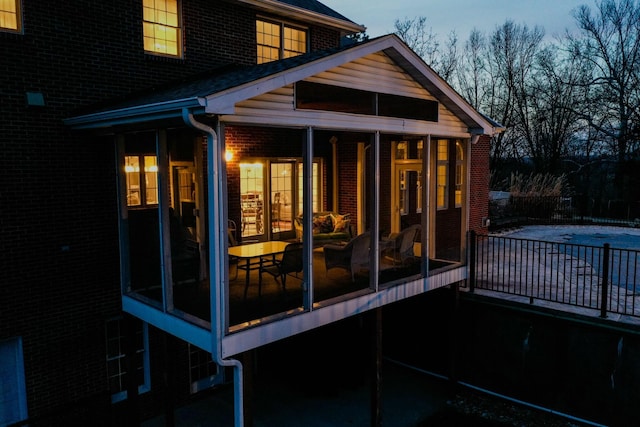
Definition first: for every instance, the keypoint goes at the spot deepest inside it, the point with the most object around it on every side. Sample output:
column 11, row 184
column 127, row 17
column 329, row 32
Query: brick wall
column 479, row 185
column 58, row 215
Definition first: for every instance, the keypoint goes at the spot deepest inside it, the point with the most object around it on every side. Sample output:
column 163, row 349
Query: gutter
column 138, row 113
column 216, row 266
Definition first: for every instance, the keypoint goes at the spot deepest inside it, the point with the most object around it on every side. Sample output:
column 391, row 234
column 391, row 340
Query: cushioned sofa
column 327, row 227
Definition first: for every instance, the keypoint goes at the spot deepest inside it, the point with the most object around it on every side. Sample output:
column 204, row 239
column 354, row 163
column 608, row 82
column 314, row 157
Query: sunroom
column 265, row 201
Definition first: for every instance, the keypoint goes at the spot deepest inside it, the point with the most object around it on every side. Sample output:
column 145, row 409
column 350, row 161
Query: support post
column 605, row 280
column 247, row 382
column 375, row 321
column 472, row 260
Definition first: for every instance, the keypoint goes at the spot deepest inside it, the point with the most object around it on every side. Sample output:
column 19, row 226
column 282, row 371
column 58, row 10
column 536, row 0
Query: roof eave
column 284, row 9
column 136, row 114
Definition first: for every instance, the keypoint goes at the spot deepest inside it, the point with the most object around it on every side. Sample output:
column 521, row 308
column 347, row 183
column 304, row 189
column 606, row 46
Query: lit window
column 277, row 41
column 10, row 19
column 442, row 174
column 142, row 183
column 459, row 172
column 316, row 196
column 161, row 27
column 117, row 373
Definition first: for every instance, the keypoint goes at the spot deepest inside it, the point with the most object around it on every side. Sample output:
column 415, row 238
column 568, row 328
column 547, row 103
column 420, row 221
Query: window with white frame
column 442, row 174
column 277, row 40
column 13, row 395
column 116, row 344
column 161, row 27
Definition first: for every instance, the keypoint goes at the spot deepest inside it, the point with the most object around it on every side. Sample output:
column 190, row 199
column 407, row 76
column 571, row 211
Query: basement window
column 117, row 364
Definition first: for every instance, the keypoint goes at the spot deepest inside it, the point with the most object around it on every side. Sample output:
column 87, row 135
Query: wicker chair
column 402, row 251
column 353, row 257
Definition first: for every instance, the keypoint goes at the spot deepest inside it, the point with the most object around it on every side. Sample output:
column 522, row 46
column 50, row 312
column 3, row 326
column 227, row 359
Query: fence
column 601, row 278
column 526, row 210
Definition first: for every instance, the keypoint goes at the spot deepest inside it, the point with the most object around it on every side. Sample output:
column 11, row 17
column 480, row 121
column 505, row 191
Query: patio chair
column 402, row 251
column 290, row 264
column 353, row 257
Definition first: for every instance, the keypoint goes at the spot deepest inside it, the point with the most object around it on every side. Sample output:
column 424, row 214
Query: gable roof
column 218, row 91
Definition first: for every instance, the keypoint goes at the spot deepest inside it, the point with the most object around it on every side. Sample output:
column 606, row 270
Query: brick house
column 142, row 141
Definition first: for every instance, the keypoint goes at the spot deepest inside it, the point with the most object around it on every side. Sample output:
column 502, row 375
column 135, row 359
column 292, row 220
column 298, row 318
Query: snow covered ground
column 593, row 235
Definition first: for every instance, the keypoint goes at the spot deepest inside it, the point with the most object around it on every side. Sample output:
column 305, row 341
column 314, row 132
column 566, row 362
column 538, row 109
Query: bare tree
column 511, row 57
column 424, row 42
column 609, row 44
column 471, row 75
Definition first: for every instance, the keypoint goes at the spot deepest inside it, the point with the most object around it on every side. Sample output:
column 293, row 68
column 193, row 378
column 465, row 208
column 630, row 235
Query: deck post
column 472, row 260
column 375, row 326
column 605, row 280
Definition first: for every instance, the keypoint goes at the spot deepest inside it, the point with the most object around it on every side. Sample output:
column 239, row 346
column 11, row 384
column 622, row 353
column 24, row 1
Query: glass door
column 282, row 197
column 407, row 196
column 252, row 199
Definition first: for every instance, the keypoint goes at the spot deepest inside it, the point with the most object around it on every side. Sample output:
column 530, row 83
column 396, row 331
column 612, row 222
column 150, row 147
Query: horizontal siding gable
column 375, row 73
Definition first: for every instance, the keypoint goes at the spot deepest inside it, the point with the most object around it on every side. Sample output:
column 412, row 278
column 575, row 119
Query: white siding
column 374, row 73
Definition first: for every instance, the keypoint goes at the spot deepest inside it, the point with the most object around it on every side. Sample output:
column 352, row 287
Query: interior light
column 128, row 169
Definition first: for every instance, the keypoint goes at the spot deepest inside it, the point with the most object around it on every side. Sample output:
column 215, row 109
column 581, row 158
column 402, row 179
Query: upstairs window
column 10, row 16
column 278, row 41
column 161, row 27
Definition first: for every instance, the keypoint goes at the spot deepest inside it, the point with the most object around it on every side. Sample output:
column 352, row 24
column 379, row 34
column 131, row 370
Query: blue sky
column 460, row 15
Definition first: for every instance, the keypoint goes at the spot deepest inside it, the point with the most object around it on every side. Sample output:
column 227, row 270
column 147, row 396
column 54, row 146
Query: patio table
column 259, row 250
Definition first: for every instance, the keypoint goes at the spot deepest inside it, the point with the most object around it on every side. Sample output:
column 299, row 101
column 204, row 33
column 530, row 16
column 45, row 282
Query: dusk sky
column 460, row 15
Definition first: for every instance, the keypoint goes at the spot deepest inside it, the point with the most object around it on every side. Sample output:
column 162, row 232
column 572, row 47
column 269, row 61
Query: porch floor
column 193, row 298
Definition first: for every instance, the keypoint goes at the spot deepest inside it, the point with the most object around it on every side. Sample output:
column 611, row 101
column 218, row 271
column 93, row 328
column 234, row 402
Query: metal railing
column 596, row 277
column 528, row 210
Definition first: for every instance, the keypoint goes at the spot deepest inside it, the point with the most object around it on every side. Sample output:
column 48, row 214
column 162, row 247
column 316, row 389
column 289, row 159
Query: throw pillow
column 341, row 223
column 322, row 224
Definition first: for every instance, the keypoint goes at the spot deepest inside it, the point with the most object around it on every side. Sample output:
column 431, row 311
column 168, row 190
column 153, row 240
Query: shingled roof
column 315, row 6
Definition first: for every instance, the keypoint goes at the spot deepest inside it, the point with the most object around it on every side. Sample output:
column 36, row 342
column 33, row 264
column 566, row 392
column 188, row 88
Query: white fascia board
column 254, row 337
column 284, row 9
column 343, row 121
column 220, row 102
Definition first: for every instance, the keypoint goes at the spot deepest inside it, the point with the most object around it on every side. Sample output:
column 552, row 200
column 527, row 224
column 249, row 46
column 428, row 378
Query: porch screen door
column 407, row 196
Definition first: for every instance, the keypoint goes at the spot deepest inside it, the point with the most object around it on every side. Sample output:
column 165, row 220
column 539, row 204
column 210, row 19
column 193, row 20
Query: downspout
column 216, row 266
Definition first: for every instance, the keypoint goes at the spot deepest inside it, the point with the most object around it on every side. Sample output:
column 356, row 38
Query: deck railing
column 596, row 277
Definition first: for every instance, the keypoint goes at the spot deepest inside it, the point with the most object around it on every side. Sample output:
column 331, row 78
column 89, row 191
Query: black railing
column 596, row 277
column 528, row 210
